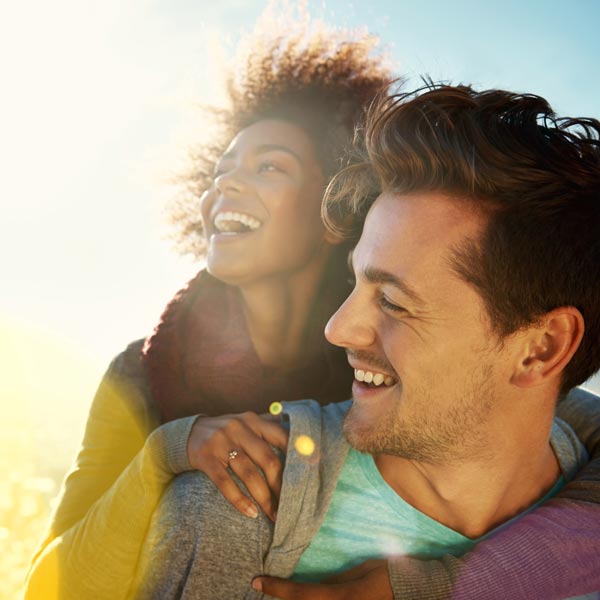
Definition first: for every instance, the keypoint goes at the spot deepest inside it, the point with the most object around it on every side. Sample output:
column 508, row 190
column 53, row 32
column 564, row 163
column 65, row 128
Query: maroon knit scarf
column 200, row 358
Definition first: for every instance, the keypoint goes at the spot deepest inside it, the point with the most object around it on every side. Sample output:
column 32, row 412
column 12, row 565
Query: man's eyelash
column 385, row 303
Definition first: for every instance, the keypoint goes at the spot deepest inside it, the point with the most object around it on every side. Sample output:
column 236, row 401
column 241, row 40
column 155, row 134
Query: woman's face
column 262, row 214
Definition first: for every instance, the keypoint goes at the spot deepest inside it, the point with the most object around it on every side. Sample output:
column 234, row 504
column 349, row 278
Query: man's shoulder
column 570, row 452
column 192, row 496
column 310, row 414
column 193, row 534
column 316, row 431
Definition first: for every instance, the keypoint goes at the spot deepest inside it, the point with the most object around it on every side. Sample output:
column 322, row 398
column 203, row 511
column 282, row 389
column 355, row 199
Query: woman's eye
column 268, row 167
column 387, row 305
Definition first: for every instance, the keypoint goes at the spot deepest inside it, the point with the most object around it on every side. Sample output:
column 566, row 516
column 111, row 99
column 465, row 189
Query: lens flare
column 305, row 445
column 276, row 408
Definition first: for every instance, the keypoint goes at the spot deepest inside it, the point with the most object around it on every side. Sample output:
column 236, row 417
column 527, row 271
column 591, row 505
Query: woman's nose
column 231, row 181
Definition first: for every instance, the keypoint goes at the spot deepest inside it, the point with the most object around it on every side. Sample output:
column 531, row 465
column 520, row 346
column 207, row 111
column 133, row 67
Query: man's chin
column 377, row 434
column 359, row 432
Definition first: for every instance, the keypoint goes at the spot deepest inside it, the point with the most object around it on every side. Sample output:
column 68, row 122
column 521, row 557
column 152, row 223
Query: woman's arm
column 107, row 500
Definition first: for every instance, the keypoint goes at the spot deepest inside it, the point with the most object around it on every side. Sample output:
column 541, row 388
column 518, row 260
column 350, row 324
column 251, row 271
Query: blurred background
column 97, row 107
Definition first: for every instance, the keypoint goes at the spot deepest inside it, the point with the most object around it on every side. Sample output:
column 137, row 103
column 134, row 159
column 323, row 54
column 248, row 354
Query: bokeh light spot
column 276, row 408
column 305, row 445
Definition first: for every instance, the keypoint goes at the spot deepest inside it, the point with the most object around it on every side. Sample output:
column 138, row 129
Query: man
column 476, row 307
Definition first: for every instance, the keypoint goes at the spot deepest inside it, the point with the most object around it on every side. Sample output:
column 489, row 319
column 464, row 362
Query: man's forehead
column 422, row 218
column 416, row 232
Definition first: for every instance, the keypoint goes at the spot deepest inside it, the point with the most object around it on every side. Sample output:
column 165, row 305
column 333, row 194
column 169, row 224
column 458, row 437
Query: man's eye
column 387, row 305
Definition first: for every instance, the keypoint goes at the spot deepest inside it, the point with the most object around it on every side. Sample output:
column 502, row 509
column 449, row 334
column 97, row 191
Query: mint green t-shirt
column 367, row 519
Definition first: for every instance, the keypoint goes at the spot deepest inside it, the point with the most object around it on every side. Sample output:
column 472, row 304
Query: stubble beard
column 452, row 435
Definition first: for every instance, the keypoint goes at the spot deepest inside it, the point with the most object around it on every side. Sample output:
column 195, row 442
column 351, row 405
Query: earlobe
column 549, row 347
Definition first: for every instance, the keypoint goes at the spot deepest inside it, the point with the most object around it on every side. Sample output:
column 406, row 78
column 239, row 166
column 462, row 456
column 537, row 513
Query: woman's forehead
column 273, row 134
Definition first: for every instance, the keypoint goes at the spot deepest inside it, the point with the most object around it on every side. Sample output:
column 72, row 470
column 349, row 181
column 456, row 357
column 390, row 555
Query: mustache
column 372, row 359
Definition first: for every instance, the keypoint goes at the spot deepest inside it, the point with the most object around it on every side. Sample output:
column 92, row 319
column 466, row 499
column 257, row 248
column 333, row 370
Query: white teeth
column 222, row 219
column 375, row 378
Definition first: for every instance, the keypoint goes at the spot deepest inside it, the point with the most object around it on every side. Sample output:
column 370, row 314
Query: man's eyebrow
column 374, row 275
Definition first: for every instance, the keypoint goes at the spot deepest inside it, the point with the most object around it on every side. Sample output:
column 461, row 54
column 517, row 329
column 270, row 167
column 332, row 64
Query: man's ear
column 549, row 346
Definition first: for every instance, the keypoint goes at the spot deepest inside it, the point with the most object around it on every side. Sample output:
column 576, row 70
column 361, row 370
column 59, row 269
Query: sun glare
column 45, row 392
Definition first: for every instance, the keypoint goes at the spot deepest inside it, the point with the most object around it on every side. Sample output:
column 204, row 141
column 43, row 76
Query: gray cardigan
column 199, row 547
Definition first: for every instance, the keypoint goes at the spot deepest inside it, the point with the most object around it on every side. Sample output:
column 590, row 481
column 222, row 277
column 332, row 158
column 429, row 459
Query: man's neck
column 475, row 496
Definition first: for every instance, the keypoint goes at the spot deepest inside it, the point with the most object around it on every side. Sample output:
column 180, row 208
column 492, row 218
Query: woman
column 244, row 333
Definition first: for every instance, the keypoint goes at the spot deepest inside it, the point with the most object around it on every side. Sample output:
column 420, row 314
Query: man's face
column 421, row 333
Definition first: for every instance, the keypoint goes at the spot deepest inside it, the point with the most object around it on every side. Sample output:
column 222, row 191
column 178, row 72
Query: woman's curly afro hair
column 319, row 78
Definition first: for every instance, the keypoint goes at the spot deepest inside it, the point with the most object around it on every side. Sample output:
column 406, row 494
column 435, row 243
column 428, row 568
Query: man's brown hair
column 535, row 176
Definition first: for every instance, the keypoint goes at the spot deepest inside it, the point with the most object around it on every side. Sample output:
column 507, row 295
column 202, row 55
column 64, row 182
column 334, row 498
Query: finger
column 366, row 583
column 264, row 458
column 218, row 474
column 358, row 572
column 290, row 590
column 374, row 585
column 257, row 487
column 246, row 431
column 273, row 433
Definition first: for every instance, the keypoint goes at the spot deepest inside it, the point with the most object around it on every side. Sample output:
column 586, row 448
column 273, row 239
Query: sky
column 96, row 109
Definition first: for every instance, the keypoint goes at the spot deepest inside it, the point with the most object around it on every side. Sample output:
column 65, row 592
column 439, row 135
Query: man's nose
column 351, row 326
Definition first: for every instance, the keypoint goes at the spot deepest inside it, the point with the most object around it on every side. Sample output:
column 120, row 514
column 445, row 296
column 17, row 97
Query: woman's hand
column 242, row 443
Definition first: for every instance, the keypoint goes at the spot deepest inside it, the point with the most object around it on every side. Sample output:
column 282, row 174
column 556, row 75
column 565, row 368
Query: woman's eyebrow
column 264, row 148
column 270, row 147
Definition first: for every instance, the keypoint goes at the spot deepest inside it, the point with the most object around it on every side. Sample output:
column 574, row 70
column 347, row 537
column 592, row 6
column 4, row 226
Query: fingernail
column 251, row 511
column 257, row 584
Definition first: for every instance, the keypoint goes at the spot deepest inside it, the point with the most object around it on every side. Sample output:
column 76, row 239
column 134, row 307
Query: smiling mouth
column 235, row 222
column 373, row 379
